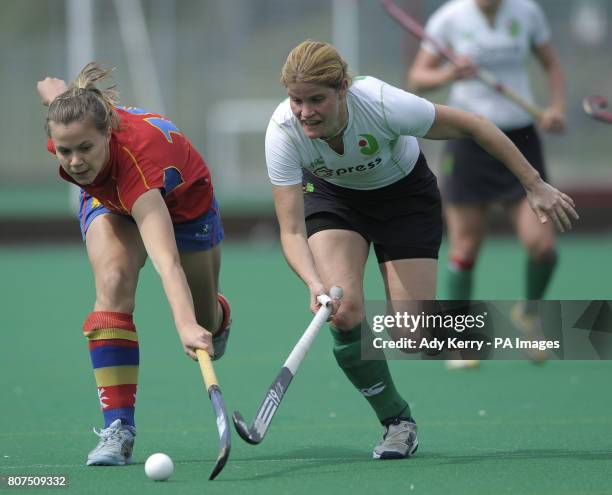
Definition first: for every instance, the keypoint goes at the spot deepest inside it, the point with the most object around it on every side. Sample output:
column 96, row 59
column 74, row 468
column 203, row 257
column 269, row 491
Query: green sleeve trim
column 382, row 106
column 393, row 142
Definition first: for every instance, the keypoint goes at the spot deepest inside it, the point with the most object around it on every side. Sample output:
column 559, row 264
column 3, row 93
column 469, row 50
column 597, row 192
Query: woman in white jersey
column 347, row 171
column 499, row 36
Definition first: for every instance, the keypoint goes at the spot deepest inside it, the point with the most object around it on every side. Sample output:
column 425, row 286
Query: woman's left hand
column 550, row 203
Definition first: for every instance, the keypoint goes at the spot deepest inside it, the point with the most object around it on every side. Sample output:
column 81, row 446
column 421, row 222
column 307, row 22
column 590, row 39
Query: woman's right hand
column 193, row 337
column 462, row 68
column 315, row 305
column 550, row 203
column 50, row 88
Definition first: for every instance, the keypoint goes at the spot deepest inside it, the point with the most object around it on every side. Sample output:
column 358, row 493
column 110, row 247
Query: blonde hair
column 84, row 100
column 315, row 62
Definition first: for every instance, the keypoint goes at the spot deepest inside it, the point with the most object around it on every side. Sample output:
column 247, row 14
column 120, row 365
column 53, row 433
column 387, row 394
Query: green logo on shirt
column 448, row 163
column 368, row 144
column 514, row 28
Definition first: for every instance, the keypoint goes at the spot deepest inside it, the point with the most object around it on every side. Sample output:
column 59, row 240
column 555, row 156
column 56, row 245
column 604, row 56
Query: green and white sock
column 371, row 377
column 538, row 276
column 459, row 283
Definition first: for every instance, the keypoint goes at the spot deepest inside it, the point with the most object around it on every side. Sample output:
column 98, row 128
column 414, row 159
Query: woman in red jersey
column 145, row 191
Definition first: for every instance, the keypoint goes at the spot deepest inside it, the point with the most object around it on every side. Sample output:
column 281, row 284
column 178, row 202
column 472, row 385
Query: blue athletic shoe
column 115, row 445
column 220, row 338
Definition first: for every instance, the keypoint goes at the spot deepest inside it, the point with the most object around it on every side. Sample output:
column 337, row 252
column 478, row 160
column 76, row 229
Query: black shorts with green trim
column 469, row 175
column 402, row 220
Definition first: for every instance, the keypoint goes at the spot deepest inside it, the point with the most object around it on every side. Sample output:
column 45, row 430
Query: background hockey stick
column 413, row 26
column 597, row 107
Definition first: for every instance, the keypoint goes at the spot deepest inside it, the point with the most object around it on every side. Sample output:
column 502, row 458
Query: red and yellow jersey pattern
column 149, row 152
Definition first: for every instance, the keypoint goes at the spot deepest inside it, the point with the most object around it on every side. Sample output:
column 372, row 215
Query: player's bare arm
column 155, row 226
column 429, row 72
column 546, row 201
column 553, row 119
column 289, row 206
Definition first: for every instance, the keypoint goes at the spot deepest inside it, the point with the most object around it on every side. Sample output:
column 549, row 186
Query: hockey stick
column 214, row 392
column 255, row 433
column 597, row 107
column 411, row 25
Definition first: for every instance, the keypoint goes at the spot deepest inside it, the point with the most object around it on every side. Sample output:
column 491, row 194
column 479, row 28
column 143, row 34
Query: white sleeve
column 437, row 28
column 407, row 114
column 539, row 27
column 282, row 157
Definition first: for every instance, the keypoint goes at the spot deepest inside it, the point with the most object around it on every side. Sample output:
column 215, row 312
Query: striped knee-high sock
column 113, row 347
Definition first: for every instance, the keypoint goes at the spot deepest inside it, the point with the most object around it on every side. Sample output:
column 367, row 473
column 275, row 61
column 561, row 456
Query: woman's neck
column 342, row 123
column 489, row 9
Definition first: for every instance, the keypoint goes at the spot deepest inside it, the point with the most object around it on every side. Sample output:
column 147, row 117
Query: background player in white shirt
column 346, row 172
column 499, row 36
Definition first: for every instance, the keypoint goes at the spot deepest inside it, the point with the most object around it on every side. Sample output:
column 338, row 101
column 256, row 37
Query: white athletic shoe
column 115, row 445
column 462, row 364
column 530, row 325
column 399, row 440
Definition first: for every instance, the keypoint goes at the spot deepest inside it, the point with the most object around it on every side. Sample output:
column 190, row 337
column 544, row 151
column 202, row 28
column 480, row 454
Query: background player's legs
column 116, row 254
column 465, row 227
column 539, row 242
column 340, row 257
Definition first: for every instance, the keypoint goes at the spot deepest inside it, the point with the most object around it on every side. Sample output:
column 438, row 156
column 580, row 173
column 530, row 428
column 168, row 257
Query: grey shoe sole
column 396, row 455
column 107, row 461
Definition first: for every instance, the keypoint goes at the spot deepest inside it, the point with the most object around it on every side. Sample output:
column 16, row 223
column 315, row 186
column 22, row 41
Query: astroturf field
column 508, row 427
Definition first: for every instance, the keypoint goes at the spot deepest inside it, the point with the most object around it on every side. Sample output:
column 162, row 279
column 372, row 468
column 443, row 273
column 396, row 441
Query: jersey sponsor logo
column 325, row 172
column 368, row 144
